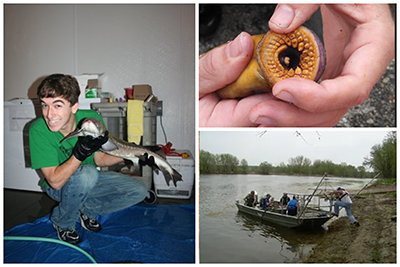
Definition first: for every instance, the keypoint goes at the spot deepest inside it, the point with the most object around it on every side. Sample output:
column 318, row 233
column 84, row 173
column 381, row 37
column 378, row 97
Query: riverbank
column 374, row 241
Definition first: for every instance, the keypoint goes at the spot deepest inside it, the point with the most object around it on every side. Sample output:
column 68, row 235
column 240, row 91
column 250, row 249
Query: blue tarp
column 141, row 233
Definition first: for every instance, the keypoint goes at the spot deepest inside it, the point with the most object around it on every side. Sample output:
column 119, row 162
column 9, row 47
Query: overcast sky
column 276, row 146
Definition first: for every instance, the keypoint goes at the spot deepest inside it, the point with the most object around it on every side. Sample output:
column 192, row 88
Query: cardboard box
column 89, row 81
column 184, row 188
column 141, row 91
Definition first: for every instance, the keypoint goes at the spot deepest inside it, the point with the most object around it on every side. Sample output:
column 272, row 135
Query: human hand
column 359, row 44
column 219, row 67
column 87, row 145
column 146, row 160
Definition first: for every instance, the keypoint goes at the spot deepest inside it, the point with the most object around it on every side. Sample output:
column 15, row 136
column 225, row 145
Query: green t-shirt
column 45, row 147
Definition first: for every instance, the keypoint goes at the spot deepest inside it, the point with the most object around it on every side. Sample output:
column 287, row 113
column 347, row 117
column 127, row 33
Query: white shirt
column 344, row 197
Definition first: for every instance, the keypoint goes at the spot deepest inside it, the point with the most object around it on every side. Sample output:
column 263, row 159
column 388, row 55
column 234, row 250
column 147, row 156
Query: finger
column 224, row 64
column 88, row 138
column 151, row 161
column 275, row 113
column 287, row 18
column 341, row 92
column 229, row 112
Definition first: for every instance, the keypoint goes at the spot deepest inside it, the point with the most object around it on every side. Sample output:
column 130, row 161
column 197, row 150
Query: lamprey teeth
column 277, row 57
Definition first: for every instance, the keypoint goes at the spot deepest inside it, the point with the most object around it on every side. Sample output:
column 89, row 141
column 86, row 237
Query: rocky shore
column 374, row 241
column 379, row 110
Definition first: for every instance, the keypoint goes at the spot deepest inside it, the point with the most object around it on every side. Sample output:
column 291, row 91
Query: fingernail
column 266, row 121
column 234, row 48
column 285, row 96
column 283, row 16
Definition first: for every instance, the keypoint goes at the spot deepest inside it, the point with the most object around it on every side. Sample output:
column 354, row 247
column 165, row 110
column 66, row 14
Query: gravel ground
column 379, row 110
column 374, row 241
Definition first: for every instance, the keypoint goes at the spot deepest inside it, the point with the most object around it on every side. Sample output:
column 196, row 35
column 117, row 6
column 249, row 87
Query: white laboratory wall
column 132, row 44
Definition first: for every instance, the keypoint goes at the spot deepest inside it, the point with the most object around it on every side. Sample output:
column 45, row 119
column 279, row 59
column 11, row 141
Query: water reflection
column 295, row 244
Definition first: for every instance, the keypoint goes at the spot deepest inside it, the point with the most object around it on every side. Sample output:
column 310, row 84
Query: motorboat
column 314, row 210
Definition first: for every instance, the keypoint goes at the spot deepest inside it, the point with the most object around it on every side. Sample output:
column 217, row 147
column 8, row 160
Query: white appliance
column 18, row 115
column 184, row 188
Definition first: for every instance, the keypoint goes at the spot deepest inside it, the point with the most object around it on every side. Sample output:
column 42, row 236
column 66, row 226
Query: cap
column 340, row 188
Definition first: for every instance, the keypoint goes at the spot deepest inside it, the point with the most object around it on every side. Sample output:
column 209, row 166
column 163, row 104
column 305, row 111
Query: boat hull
column 288, row 221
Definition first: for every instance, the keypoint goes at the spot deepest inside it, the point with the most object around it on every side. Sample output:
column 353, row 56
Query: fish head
column 89, row 126
column 93, row 127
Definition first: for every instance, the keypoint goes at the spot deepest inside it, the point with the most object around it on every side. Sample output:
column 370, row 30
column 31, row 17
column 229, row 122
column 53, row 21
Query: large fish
column 122, row 149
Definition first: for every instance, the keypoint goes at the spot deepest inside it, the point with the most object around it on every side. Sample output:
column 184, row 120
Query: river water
column 229, row 236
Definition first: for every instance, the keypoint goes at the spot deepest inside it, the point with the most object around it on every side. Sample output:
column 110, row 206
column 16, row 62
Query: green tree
column 207, row 162
column 383, row 157
column 265, row 167
column 361, row 171
column 300, row 165
column 281, row 169
column 244, row 166
column 227, row 163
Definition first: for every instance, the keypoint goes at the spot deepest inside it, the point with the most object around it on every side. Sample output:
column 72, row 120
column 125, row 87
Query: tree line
column 382, row 159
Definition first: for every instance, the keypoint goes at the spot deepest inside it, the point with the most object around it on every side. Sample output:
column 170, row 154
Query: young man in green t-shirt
column 69, row 168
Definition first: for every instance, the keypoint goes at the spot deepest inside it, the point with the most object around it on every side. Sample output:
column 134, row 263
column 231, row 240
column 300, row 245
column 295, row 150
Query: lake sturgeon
column 122, row 149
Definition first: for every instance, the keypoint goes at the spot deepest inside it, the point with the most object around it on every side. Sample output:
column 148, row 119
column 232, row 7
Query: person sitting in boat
column 284, row 200
column 344, row 200
column 269, row 200
column 293, row 206
column 262, row 200
column 266, row 201
column 251, row 199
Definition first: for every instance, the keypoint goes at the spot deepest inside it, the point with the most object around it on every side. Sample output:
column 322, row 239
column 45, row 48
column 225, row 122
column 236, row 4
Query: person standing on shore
column 344, row 200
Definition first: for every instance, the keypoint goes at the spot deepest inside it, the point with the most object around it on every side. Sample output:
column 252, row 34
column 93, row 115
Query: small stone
column 386, row 80
column 370, row 121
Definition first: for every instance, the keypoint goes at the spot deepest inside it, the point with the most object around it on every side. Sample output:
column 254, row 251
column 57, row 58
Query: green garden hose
column 50, row 240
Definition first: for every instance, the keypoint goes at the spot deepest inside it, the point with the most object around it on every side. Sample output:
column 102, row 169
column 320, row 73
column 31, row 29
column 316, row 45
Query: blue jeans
column 347, row 207
column 94, row 193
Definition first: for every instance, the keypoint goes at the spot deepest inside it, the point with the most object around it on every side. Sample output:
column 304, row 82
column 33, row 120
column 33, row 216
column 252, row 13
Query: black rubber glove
column 87, row 145
column 147, row 160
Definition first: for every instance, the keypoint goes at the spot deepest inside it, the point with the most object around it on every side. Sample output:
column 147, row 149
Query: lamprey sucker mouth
column 277, row 57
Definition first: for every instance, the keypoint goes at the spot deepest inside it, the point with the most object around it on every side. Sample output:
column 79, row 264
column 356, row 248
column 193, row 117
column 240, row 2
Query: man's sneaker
column 69, row 236
column 89, row 224
column 356, row 223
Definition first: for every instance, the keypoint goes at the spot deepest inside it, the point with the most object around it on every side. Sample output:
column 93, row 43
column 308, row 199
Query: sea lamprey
column 277, row 57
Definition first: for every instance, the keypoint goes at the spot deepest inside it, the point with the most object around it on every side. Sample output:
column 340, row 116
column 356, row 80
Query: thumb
column 224, row 64
column 287, row 18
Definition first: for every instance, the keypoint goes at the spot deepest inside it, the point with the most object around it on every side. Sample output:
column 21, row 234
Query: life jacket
column 285, row 200
column 250, row 199
column 292, row 204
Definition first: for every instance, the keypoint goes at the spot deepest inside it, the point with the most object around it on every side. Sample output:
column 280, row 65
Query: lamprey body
column 122, row 149
column 277, row 57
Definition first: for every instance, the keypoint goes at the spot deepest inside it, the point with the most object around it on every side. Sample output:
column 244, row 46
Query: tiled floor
column 24, row 206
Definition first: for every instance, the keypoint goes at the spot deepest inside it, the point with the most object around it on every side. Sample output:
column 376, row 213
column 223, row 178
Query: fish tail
column 174, row 176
